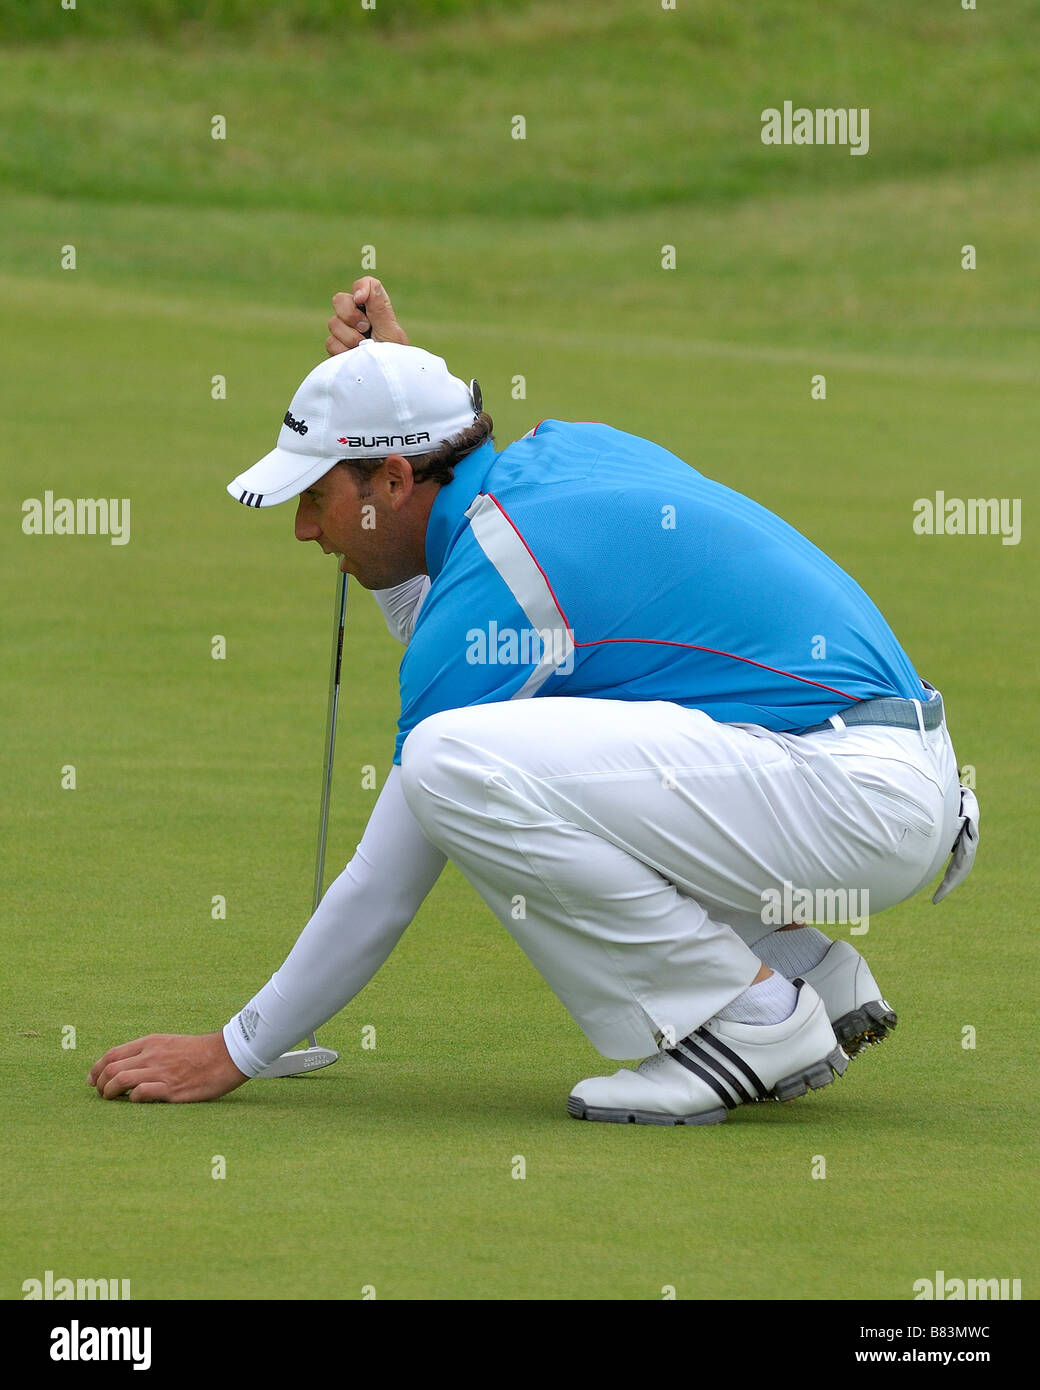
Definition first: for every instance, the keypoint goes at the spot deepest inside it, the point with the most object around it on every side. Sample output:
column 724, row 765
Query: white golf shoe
column 718, row 1067
column 858, row 1013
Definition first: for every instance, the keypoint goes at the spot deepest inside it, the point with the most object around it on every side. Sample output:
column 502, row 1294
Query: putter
column 311, row 1057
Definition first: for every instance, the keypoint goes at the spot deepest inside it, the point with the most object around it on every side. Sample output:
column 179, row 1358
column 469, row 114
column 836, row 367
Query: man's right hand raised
column 348, row 324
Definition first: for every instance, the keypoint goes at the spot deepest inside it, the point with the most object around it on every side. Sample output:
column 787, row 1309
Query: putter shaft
column 331, row 713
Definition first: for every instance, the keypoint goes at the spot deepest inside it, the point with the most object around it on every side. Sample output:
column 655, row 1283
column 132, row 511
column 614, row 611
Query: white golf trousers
column 628, row 847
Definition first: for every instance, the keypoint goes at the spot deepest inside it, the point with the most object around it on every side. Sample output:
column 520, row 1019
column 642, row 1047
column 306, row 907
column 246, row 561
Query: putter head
column 300, row 1063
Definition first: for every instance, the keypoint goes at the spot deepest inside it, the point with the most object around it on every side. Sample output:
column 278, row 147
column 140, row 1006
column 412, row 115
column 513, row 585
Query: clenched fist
column 349, row 325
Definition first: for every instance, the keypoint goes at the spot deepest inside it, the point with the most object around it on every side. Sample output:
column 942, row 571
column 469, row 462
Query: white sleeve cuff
column 245, row 1060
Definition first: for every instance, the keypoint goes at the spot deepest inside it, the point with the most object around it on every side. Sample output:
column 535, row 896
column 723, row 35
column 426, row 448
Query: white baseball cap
column 378, row 398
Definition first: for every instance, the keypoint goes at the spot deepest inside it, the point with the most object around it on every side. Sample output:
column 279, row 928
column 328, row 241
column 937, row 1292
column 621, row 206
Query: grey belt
column 888, row 709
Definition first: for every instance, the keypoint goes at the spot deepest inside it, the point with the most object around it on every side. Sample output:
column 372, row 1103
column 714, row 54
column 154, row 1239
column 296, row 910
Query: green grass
column 197, row 778
column 193, row 21
column 627, row 107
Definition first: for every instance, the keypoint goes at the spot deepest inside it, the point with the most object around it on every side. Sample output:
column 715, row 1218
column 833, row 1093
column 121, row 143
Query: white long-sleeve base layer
column 358, row 923
column 363, row 913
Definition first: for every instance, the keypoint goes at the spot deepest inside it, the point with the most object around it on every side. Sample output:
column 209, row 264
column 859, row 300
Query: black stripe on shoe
column 734, row 1057
column 694, row 1049
column 706, row 1077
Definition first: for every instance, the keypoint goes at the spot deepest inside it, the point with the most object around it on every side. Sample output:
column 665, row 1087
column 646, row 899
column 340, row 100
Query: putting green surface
column 195, row 778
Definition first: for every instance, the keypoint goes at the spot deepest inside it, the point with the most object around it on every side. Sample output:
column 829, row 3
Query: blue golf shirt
column 583, row 561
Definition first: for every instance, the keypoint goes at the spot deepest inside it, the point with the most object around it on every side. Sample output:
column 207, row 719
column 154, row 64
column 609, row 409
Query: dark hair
column 438, row 466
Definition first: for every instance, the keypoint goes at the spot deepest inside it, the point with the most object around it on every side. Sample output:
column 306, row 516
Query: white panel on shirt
column 516, row 566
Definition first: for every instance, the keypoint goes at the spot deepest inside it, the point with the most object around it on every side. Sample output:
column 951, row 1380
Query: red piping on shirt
column 550, row 417
column 660, row 641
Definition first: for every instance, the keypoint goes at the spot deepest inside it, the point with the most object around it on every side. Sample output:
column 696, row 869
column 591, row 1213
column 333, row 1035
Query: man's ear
column 400, row 478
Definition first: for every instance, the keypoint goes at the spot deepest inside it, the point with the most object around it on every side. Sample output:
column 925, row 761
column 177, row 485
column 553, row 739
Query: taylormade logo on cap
column 378, row 397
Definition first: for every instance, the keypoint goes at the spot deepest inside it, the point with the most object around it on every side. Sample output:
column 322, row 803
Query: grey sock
column 793, row 952
column 770, row 1001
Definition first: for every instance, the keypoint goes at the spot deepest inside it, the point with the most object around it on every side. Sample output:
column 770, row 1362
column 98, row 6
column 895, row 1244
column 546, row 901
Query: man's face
column 380, row 535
